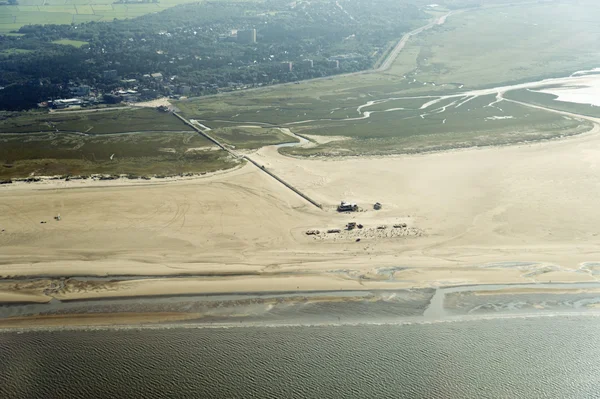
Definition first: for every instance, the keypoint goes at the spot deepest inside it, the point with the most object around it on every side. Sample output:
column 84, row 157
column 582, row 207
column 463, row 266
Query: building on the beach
column 66, row 103
column 306, row 64
column 347, row 207
column 128, row 95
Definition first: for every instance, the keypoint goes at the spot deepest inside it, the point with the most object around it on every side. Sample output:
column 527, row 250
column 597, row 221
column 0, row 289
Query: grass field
column 525, row 42
column 247, row 138
column 429, row 143
column 67, row 42
column 30, row 12
column 274, row 110
column 398, row 125
column 442, row 126
column 92, row 123
column 140, row 141
column 140, row 154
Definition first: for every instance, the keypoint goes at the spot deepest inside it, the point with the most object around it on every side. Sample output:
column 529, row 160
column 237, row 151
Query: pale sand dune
column 536, row 203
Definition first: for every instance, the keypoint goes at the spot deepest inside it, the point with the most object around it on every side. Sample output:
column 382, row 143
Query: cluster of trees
column 192, row 45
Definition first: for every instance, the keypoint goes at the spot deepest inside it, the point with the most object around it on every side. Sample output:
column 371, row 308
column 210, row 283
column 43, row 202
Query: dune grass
column 251, row 138
column 140, row 154
column 105, row 122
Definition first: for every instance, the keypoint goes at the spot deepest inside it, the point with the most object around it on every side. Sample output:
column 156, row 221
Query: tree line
column 191, row 45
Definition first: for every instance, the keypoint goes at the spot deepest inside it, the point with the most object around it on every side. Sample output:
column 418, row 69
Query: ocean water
column 518, row 357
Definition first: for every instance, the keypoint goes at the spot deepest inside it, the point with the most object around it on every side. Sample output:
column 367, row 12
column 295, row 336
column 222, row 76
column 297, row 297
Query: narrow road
column 385, row 65
column 82, row 111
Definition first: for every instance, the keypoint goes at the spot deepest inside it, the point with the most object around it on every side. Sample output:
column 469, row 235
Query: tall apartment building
column 287, row 66
column 246, row 36
column 306, row 64
column 334, row 64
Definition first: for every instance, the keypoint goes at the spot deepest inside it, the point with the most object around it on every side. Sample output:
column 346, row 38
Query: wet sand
column 343, row 307
column 96, row 319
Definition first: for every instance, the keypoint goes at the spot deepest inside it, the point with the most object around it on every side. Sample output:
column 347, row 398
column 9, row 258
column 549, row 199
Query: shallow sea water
column 520, row 357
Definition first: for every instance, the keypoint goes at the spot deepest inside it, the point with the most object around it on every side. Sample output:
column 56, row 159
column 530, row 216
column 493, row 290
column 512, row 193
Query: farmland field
column 30, row 12
column 67, row 42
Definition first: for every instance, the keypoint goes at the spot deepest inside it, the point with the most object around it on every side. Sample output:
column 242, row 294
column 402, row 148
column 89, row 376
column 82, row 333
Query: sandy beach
column 477, row 211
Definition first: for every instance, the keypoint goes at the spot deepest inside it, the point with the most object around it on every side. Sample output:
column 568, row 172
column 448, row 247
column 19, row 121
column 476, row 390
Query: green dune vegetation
column 141, row 142
column 386, row 112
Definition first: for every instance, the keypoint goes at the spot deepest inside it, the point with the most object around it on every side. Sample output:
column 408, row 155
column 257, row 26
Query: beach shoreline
column 276, row 308
column 509, row 214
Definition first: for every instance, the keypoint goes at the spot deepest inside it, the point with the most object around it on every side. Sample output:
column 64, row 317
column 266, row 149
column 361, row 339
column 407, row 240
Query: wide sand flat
column 533, row 202
column 243, row 231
